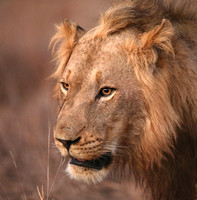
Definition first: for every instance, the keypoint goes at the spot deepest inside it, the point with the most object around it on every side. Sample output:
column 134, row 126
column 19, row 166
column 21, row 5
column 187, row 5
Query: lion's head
column 98, row 96
column 118, row 95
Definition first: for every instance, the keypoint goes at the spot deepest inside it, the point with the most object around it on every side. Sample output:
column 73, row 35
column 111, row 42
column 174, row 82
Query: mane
column 144, row 14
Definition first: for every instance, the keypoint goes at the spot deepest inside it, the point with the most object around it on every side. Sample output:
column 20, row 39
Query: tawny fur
column 161, row 52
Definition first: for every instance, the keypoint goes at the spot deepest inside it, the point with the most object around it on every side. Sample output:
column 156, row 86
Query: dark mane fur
column 145, row 14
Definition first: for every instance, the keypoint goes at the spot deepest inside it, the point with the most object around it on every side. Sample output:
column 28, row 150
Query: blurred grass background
column 27, row 111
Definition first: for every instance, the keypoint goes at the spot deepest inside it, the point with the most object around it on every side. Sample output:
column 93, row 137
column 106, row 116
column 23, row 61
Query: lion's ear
column 68, row 33
column 143, row 51
column 159, row 37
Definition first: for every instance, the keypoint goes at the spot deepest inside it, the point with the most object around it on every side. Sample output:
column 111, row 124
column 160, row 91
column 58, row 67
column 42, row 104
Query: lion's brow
column 98, row 76
column 68, row 74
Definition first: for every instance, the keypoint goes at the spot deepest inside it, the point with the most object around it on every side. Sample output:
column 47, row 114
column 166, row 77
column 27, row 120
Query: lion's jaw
column 86, row 175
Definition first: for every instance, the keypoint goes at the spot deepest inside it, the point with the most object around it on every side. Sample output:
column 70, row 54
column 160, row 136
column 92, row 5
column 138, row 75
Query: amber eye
column 106, row 92
column 65, row 86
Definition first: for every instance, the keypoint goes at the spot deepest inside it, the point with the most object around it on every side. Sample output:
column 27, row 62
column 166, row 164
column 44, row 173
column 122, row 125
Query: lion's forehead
column 92, row 62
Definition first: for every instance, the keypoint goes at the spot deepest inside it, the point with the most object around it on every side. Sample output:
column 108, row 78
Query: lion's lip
column 98, row 163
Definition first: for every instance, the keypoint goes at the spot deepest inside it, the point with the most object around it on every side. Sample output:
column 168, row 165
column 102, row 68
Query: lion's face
column 97, row 99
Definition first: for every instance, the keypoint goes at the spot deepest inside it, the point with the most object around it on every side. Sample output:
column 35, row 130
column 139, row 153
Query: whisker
column 119, row 149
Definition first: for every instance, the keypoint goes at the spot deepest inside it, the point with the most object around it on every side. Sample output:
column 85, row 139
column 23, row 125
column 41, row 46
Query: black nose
column 67, row 143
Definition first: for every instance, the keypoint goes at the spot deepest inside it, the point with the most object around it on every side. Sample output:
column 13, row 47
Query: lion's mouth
column 98, row 163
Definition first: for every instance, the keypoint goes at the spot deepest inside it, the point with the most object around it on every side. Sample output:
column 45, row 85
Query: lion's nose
column 67, row 143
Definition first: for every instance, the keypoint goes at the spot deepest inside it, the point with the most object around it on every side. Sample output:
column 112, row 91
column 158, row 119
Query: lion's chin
column 90, row 171
column 87, row 175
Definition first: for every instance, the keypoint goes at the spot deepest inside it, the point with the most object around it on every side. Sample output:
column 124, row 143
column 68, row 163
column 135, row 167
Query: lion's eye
column 65, row 86
column 104, row 92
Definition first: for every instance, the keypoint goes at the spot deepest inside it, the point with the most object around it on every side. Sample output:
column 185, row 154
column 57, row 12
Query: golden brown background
column 27, row 111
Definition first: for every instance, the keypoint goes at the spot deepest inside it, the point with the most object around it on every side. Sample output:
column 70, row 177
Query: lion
column 127, row 93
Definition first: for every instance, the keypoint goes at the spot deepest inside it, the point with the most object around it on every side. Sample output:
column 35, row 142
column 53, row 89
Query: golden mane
column 144, row 14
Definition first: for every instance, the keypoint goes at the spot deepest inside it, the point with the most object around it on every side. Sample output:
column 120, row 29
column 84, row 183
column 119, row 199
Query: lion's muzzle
column 99, row 162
